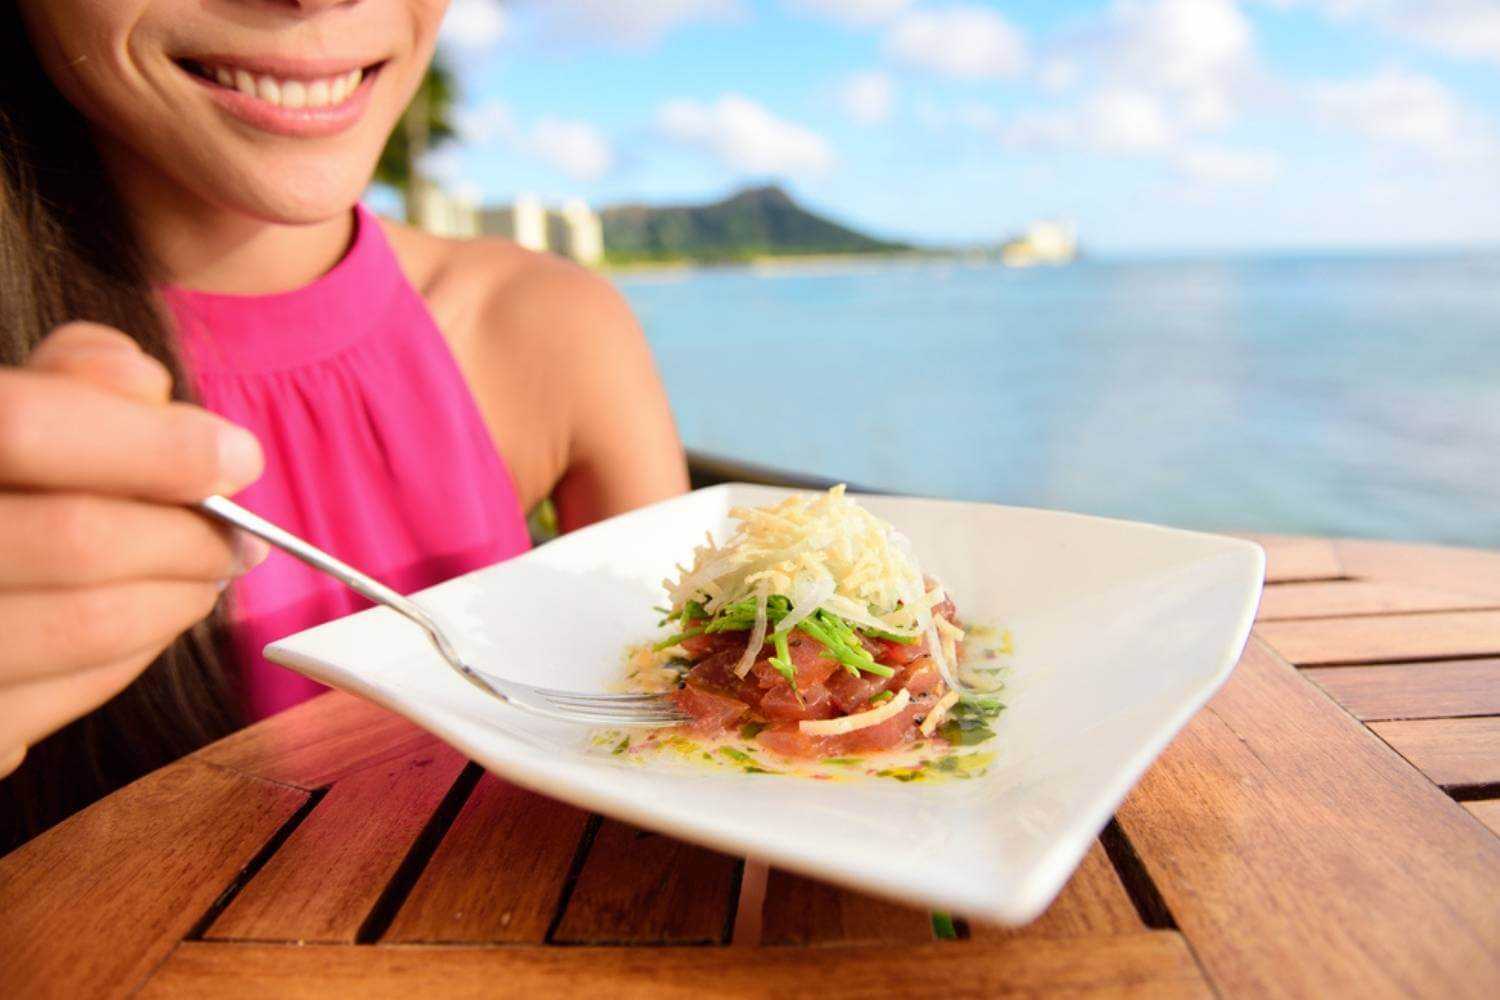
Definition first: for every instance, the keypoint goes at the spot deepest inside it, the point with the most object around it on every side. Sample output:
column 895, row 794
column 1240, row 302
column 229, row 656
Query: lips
column 303, row 100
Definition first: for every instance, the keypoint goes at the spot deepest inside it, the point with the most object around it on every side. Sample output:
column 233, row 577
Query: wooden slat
column 1395, row 638
column 1452, row 752
column 1155, row 964
column 325, row 880
column 1289, row 557
column 1469, row 571
column 318, row 742
column 1301, row 856
column 498, row 874
column 1436, row 690
column 802, row 911
column 1093, row 903
column 92, row 905
column 638, row 887
column 1488, row 812
column 1342, row 598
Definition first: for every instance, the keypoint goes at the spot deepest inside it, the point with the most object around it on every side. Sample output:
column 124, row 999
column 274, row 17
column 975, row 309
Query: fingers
column 11, row 759
column 105, row 358
column 33, row 710
column 59, row 433
column 81, row 540
column 49, row 633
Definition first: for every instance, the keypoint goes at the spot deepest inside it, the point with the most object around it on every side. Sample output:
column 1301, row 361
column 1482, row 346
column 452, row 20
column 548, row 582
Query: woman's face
column 274, row 108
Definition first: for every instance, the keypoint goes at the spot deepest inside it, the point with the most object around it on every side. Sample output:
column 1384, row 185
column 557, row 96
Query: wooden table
column 1327, row 826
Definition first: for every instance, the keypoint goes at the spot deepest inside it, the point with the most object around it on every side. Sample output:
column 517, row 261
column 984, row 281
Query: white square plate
column 1122, row 631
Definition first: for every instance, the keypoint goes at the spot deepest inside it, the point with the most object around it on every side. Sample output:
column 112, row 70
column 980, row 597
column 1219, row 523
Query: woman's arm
column 623, row 446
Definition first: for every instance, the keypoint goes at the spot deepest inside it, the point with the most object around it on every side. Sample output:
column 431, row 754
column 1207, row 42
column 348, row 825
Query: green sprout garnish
column 881, row 697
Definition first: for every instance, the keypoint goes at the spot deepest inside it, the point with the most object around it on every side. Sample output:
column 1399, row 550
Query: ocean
column 1333, row 395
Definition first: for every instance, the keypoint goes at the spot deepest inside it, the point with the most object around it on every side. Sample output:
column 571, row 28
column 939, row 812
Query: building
column 444, row 213
column 1044, row 242
column 575, row 230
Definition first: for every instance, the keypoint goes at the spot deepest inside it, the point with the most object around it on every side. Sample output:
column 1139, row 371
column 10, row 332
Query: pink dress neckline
column 376, row 450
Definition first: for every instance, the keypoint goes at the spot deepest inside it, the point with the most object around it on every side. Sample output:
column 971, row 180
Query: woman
column 192, row 303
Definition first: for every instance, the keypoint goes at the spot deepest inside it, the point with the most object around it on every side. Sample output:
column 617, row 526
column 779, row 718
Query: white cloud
column 745, row 137
column 966, row 42
column 1194, row 52
column 1468, row 29
column 1111, row 121
column 488, row 122
column 630, row 23
column 1057, row 75
column 860, row 13
column 576, row 148
column 1405, row 110
column 868, row 97
column 1217, row 165
column 473, row 24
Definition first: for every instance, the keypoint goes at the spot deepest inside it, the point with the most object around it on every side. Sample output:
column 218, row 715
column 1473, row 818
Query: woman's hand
column 100, row 565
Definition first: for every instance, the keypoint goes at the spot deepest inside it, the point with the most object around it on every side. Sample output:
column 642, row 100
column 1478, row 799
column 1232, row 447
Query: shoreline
column 794, row 262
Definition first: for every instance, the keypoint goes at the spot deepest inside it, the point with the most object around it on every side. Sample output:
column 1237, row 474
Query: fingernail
column 249, row 552
column 240, row 460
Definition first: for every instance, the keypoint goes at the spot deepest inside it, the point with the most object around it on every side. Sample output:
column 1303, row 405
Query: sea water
column 1335, row 395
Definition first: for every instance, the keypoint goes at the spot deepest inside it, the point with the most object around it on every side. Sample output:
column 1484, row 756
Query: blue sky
column 1155, row 125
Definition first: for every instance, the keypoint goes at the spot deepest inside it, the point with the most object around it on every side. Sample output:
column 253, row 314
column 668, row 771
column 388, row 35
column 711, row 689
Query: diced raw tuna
column 700, row 646
column 711, row 712
column 850, row 693
column 779, row 704
column 919, row 677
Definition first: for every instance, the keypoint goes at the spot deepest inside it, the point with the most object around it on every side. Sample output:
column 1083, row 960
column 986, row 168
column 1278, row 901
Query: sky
column 1153, row 125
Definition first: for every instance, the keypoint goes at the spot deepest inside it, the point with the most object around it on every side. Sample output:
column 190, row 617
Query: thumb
column 104, row 357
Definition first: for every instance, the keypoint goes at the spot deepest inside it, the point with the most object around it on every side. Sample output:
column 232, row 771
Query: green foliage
column 435, row 100
column 757, row 222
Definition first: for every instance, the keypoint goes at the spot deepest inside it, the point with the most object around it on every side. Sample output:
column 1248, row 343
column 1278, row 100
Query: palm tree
column 427, row 124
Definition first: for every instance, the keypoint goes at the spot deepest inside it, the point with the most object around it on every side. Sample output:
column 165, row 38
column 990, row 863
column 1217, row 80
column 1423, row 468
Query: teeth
column 320, row 93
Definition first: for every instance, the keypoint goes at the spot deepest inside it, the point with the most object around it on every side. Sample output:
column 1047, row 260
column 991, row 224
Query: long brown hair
column 67, row 252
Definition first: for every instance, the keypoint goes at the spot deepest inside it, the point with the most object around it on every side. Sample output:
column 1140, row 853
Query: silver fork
column 564, row 706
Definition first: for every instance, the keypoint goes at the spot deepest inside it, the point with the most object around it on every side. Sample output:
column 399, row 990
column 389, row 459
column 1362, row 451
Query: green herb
column 750, row 730
column 782, row 661
column 621, row 747
column 739, row 755
column 905, row 640
column 976, row 707
column 949, row 763
column 943, row 928
column 757, row 770
column 673, row 640
column 965, row 732
column 881, row 697
column 843, row 761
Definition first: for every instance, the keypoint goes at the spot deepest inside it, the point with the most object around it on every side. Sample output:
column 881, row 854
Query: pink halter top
column 375, row 449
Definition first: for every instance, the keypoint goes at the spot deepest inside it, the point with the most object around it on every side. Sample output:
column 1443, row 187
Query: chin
column 297, row 194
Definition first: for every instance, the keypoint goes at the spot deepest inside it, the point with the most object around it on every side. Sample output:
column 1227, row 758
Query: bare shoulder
column 490, row 289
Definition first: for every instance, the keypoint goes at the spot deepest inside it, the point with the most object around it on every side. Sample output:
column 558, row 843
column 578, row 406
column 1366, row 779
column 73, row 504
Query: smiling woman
column 192, row 302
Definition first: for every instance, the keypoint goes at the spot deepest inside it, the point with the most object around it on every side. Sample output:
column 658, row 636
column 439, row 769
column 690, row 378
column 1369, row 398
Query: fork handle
column 232, row 513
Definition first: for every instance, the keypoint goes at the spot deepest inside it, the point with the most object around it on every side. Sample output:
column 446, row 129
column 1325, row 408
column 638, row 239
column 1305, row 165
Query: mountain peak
column 755, row 222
